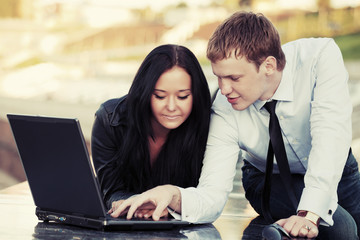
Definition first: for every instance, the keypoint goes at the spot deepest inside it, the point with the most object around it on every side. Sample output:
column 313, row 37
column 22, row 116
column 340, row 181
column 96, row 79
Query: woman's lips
column 171, row 117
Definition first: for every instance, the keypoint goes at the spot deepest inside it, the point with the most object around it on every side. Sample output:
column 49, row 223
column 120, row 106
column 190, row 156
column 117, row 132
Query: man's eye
column 158, row 97
column 234, row 78
column 183, row 97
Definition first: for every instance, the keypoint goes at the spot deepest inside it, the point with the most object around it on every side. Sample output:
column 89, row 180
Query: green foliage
column 349, row 45
column 181, row 5
column 29, row 62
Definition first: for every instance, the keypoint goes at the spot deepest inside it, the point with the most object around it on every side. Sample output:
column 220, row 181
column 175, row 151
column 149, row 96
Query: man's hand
column 153, row 202
column 299, row 227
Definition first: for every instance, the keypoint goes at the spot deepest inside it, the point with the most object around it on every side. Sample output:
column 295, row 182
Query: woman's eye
column 158, row 97
column 183, row 97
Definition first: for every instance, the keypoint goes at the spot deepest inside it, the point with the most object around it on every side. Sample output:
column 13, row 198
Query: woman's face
column 172, row 100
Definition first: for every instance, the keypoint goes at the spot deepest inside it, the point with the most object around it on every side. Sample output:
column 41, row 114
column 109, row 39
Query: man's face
column 240, row 81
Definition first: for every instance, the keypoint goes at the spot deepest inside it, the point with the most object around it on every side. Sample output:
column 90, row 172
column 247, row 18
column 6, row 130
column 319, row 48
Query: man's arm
column 206, row 202
column 330, row 123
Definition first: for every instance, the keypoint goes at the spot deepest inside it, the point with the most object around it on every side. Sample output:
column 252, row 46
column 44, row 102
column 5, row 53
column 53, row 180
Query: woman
column 157, row 133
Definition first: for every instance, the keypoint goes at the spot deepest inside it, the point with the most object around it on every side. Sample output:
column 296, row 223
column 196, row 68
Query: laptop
column 61, row 177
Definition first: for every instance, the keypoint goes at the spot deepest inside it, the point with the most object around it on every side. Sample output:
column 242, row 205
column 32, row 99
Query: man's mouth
column 232, row 100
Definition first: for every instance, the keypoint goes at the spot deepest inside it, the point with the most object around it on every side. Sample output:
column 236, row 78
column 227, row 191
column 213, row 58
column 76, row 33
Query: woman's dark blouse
column 109, row 125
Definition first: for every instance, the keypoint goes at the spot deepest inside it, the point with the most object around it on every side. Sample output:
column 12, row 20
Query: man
column 308, row 80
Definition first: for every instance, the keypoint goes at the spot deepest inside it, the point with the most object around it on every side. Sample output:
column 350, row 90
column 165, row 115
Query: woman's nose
column 171, row 104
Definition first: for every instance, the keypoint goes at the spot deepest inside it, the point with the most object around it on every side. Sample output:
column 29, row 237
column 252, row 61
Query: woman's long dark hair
column 180, row 160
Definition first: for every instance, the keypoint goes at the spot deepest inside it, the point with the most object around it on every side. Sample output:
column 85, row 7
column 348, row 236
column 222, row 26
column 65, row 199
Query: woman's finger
column 135, row 205
column 120, row 209
column 148, row 213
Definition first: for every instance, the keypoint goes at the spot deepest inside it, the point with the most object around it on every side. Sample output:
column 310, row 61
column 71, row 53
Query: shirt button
column 305, row 158
column 281, row 117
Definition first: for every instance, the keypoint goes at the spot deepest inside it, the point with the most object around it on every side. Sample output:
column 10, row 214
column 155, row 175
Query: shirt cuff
column 319, row 202
column 175, row 215
column 201, row 205
column 186, row 205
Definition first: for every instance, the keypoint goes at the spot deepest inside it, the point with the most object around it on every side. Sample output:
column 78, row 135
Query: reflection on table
column 18, row 221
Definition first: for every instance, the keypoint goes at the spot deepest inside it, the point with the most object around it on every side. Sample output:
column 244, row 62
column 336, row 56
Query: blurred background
column 65, row 57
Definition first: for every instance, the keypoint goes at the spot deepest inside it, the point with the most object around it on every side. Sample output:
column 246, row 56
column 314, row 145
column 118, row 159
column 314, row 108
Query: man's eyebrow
column 230, row 75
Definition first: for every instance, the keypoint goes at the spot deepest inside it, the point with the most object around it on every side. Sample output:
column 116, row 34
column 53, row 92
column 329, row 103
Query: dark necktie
column 276, row 146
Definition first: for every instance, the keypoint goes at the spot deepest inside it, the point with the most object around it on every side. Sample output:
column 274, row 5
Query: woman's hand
column 298, row 226
column 144, row 211
column 153, row 202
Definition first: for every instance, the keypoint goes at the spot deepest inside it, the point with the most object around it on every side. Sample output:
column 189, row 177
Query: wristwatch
column 312, row 217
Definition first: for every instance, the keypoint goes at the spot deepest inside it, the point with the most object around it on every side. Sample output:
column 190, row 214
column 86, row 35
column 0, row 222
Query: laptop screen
column 57, row 165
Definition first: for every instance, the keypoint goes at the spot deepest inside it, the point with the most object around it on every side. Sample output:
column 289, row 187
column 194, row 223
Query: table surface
column 18, row 221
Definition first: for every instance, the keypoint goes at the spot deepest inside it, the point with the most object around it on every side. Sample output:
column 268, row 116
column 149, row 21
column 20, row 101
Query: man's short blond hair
column 246, row 34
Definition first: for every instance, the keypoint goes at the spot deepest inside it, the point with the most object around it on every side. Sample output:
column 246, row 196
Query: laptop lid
column 57, row 165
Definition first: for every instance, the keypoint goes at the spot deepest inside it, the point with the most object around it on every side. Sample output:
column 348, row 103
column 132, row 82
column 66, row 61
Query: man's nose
column 225, row 87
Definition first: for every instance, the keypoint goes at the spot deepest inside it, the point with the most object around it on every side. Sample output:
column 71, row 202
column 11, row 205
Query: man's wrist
column 175, row 203
column 312, row 217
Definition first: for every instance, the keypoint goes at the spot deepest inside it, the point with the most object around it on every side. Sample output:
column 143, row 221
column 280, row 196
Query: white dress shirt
column 314, row 111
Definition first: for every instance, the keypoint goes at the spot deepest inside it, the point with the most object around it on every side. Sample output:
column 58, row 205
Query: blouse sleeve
column 105, row 151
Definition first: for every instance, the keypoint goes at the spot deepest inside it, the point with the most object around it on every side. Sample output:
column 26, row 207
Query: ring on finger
column 307, row 227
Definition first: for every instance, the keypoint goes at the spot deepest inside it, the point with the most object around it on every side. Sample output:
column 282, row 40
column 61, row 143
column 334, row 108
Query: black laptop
column 61, row 177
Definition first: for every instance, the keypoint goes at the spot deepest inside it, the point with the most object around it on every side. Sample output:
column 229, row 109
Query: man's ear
column 270, row 65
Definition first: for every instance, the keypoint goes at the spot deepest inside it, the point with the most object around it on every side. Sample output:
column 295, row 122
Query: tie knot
column 270, row 106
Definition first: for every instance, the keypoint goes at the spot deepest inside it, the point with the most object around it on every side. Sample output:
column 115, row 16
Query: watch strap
column 312, row 217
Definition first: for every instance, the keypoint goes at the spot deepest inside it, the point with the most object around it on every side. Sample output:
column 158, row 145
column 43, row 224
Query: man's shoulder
column 309, row 44
column 306, row 49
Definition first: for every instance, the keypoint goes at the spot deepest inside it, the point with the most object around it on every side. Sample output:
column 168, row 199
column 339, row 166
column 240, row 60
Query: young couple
column 157, row 153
